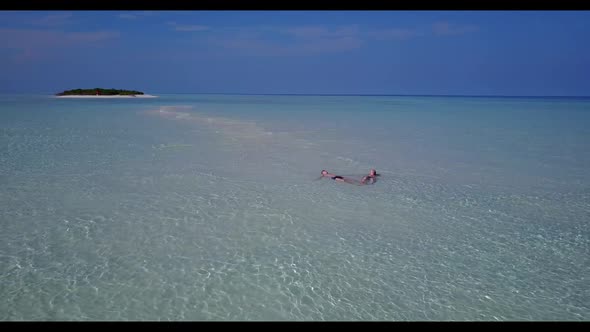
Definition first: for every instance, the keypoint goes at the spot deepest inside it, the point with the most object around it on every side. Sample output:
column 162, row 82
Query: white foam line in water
column 232, row 128
column 246, row 132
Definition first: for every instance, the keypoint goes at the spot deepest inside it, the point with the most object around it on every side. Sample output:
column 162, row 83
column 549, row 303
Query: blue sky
column 530, row 53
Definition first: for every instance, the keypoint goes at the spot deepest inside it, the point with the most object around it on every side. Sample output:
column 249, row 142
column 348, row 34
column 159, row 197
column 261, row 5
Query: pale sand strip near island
column 237, row 129
column 105, row 96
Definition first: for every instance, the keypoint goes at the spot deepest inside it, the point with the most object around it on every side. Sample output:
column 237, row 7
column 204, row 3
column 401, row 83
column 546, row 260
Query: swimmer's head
column 324, row 172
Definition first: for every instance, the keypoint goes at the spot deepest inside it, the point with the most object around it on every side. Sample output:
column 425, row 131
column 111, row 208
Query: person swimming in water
column 338, row 178
column 371, row 178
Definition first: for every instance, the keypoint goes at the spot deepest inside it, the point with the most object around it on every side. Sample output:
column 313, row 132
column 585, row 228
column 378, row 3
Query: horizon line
column 371, row 95
column 335, row 94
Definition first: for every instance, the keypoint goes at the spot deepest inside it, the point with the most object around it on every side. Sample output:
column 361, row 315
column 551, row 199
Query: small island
column 101, row 93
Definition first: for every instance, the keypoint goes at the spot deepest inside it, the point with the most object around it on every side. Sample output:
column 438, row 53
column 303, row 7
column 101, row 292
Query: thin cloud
column 148, row 13
column 315, row 32
column 449, row 29
column 259, row 47
column 52, row 20
column 305, row 40
column 127, row 16
column 191, row 28
column 90, row 37
column 32, row 38
column 135, row 15
column 31, row 44
column 394, row 34
column 293, row 41
column 179, row 27
column 333, row 45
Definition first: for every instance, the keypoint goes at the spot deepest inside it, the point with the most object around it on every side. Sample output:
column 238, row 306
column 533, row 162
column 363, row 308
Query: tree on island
column 99, row 92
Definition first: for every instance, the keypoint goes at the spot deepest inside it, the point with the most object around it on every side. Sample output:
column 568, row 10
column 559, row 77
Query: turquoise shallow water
column 207, row 207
